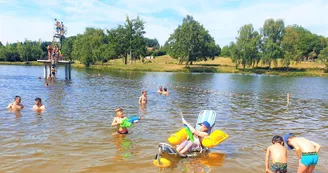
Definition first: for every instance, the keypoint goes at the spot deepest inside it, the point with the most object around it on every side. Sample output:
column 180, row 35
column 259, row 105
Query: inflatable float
column 214, row 139
column 127, row 122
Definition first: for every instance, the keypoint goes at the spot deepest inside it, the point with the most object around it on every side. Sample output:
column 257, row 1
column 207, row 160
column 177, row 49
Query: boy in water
column 165, row 92
column 38, row 107
column 306, row 151
column 118, row 120
column 143, row 98
column 185, row 146
column 278, row 154
column 16, row 105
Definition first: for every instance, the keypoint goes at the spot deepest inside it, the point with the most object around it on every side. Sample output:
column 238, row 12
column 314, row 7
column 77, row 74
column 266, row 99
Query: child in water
column 306, row 151
column 160, row 90
column 143, row 98
column 118, row 120
column 278, row 154
column 185, row 146
column 165, row 92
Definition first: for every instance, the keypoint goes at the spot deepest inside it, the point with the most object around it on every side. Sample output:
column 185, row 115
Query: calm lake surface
column 75, row 134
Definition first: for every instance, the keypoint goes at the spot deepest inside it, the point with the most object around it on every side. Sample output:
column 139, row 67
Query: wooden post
column 69, row 72
column 45, row 72
column 66, row 70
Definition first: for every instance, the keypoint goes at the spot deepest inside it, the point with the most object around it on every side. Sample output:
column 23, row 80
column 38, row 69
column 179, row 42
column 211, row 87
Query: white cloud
column 222, row 22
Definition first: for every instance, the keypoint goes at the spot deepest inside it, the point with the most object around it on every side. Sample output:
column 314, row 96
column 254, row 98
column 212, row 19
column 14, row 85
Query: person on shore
column 198, row 135
column 16, row 105
column 278, row 154
column 306, row 151
column 143, row 98
column 160, row 90
column 165, row 92
column 118, row 120
column 38, row 106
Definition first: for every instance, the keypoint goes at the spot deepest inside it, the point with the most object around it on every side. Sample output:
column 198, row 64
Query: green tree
column 152, row 43
column 246, row 49
column 273, row 32
column 323, row 57
column 134, row 30
column 67, row 47
column 225, row 52
column 119, row 42
column 191, row 42
column 290, row 46
column 1, row 45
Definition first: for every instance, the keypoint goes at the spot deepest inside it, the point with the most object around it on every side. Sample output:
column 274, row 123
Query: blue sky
column 33, row 19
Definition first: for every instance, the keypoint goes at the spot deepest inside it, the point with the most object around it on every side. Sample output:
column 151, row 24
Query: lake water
column 75, row 135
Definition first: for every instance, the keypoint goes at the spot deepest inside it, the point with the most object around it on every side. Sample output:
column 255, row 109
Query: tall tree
column 152, row 43
column 290, row 46
column 273, row 32
column 247, row 46
column 117, row 38
column 67, row 47
column 323, row 56
column 191, row 42
column 134, row 34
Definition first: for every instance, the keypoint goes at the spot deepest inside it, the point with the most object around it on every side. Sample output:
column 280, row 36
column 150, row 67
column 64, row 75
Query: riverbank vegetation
column 273, row 48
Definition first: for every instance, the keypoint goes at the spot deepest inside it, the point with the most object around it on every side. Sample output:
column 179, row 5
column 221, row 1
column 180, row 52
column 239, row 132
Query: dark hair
column 278, row 139
column 37, row 99
column 18, row 97
column 165, row 89
column 143, row 91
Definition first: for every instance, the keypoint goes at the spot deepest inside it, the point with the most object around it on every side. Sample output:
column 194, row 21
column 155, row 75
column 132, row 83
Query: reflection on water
column 74, row 134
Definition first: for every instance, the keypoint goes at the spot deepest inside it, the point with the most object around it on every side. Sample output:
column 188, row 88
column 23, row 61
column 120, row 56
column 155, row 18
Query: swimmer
column 118, row 120
column 143, row 98
column 16, row 105
column 185, row 146
column 306, row 151
column 49, row 77
column 278, row 154
column 160, row 90
column 165, row 92
column 38, row 107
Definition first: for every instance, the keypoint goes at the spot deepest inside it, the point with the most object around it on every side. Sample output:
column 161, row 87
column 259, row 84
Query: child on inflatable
column 198, row 135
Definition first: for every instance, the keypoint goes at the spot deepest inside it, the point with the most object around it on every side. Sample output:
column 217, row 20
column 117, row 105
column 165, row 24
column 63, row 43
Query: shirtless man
column 306, row 151
column 49, row 48
column 278, row 154
column 57, row 23
column 143, row 98
column 38, row 107
column 16, row 105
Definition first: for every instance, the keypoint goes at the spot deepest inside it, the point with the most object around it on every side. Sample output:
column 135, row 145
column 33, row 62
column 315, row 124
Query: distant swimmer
column 165, row 92
column 143, row 98
column 16, row 105
column 38, row 106
column 160, row 90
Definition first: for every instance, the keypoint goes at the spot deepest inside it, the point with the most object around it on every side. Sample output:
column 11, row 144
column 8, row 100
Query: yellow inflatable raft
column 179, row 137
column 214, row 139
column 163, row 163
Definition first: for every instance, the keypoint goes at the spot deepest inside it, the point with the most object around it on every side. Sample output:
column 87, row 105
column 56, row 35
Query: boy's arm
column 115, row 123
column 317, row 146
column 267, row 157
column 139, row 100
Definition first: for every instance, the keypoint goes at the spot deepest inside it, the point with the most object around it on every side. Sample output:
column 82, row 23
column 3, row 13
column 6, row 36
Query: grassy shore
column 218, row 65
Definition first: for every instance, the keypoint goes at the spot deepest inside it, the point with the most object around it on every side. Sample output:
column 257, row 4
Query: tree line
column 276, row 42
column 188, row 43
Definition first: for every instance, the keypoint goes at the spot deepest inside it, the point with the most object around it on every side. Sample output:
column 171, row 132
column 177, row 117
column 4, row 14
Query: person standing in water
column 306, row 151
column 165, row 92
column 143, row 98
column 38, row 106
column 118, row 120
column 16, row 105
column 160, row 90
column 278, row 154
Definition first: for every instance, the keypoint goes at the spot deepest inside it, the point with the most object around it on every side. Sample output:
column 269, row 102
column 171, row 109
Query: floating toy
column 127, row 122
column 214, row 139
column 179, row 137
column 163, row 163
